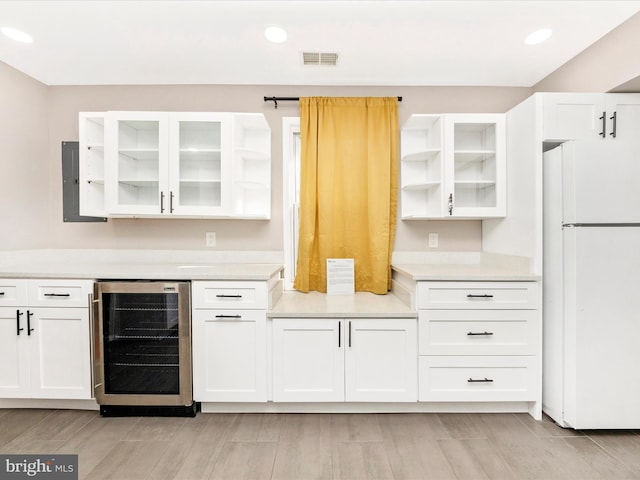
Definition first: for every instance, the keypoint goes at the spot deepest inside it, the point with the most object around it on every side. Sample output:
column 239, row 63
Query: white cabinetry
column 479, row 341
column 588, row 116
column 453, row 166
column 175, row 164
column 336, row 360
column 229, row 328
column 91, row 164
column 45, row 339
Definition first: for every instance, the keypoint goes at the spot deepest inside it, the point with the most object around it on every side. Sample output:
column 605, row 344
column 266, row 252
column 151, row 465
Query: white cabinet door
column 199, row 164
column 381, row 360
column 59, row 355
column 574, row 116
column 136, row 152
column 591, row 116
column 308, row 360
column 229, row 356
column 475, row 166
column 14, row 354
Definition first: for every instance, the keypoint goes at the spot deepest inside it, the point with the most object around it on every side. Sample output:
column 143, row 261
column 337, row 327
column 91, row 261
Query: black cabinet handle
column 614, row 118
column 349, row 333
column 57, row 294
column 18, row 328
column 29, row 329
column 479, row 333
column 1, row 294
column 161, row 202
column 228, row 316
column 170, row 202
column 485, row 295
column 339, row 334
column 228, row 296
column 450, row 204
column 603, row 133
column 480, row 380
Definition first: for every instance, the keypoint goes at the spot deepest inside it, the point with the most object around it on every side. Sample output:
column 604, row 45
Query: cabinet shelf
column 195, row 181
column 250, row 154
column 140, row 153
column 422, row 186
column 421, row 156
column 473, row 155
column 138, row 183
column 475, row 183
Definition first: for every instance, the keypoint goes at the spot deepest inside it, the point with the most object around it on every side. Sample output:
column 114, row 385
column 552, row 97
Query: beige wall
column 66, row 102
column 612, row 61
column 24, row 161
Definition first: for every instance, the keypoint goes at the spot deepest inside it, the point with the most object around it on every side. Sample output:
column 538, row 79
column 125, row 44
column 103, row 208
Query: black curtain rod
column 275, row 100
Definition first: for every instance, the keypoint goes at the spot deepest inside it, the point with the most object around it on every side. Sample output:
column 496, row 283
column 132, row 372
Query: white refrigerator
column 591, row 285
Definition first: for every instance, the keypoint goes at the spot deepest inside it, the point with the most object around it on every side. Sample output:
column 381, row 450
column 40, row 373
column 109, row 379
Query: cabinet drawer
column 478, row 379
column 478, row 332
column 59, row 293
column 229, row 295
column 13, row 293
column 477, row 295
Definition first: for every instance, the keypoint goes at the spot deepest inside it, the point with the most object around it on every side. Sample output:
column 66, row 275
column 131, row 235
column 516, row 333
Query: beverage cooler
column 142, row 348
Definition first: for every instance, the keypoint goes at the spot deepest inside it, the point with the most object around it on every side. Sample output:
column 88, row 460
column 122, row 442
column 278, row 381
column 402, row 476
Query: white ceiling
column 378, row 42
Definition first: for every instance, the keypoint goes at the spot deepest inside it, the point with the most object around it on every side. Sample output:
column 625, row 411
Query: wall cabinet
column 44, row 339
column 336, row 360
column 589, row 116
column 453, row 166
column 479, row 341
column 175, row 164
column 229, row 326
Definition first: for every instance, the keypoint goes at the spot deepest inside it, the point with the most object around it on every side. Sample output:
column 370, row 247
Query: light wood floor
column 322, row 446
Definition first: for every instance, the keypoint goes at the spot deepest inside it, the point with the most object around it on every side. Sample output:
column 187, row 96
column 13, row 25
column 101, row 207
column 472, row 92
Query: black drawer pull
column 480, row 380
column 57, row 294
column 228, row 316
column 486, row 295
column 1, row 294
column 228, row 296
column 472, row 334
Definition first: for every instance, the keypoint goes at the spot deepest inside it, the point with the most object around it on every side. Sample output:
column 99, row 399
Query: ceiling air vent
column 319, row 58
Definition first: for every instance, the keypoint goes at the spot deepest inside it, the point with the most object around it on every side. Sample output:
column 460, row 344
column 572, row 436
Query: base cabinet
column 353, row 360
column 229, row 326
column 479, row 341
column 230, row 351
column 45, row 351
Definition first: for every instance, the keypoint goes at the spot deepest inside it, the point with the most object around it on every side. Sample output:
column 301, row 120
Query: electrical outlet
column 433, row 240
column 211, row 239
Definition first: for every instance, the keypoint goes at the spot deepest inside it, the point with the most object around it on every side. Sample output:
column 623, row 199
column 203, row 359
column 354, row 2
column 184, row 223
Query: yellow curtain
column 348, row 189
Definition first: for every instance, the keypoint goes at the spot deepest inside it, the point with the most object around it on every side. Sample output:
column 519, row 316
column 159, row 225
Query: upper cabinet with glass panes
column 453, row 166
column 175, row 164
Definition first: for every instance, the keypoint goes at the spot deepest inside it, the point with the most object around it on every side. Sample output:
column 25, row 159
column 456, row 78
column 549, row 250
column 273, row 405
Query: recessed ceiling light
column 275, row 34
column 538, row 36
column 16, row 35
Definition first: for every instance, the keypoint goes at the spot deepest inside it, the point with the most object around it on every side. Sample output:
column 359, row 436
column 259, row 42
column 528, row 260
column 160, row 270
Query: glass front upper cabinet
column 199, row 164
column 476, row 163
column 137, row 156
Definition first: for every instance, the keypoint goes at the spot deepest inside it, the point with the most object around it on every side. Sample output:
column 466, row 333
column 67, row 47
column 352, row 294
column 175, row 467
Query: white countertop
column 142, row 271
column 139, row 265
column 358, row 305
column 464, row 272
